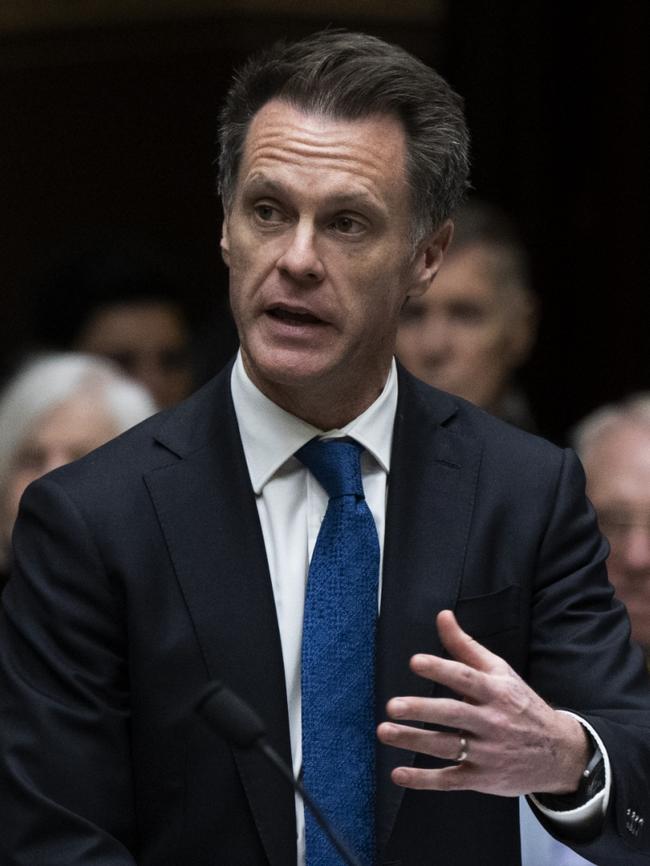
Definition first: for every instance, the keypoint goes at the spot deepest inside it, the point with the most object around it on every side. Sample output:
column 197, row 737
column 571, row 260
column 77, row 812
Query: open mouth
column 293, row 317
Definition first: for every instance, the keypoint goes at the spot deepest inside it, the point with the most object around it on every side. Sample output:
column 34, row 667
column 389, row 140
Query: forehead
column 135, row 322
column 363, row 156
column 81, row 416
column 618, row 464
column 467, row 274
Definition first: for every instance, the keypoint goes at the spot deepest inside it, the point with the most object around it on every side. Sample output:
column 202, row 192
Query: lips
column 294, row 315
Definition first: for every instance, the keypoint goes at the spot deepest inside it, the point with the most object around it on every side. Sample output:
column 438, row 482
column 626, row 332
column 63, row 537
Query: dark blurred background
column 108, row 117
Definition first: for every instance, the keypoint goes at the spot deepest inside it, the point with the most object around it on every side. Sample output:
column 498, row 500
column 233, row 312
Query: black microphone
column 237, row 722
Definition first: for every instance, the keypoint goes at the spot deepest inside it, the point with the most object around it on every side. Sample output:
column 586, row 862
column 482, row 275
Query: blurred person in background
column 149, row 339
column 476, row 324
column 55, row 409
column 127, row 304
column 614, row 445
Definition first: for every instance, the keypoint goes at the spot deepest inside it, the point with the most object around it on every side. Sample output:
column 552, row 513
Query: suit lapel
column 207, row 512
column 430, row 500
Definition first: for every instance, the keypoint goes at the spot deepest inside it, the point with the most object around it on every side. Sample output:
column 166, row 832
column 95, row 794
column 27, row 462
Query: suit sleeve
column 66, row 796
column 581, row 659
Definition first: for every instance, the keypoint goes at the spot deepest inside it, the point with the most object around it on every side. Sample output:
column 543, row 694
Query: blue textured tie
column 338, row 657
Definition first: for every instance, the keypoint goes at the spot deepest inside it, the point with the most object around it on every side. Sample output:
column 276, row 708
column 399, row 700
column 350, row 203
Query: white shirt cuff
column 597, row 806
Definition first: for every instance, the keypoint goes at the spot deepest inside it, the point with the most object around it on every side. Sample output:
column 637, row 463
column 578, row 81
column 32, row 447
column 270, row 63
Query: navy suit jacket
column 141, row 574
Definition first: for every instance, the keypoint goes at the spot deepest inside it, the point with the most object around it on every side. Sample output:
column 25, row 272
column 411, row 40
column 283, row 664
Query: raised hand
column 507, row 740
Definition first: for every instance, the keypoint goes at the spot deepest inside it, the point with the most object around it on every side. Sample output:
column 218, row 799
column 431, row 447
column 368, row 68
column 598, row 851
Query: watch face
column 595, row 782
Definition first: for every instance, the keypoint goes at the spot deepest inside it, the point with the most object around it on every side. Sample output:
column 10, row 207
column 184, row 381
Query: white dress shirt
column 291, row 505
column 539, row 848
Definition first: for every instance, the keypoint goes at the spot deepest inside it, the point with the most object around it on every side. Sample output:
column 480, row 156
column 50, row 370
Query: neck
column 329, row 413
column 325, row 406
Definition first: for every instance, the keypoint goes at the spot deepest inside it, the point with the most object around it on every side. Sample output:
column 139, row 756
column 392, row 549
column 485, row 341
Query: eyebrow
column 264, row 183
column 261, row 183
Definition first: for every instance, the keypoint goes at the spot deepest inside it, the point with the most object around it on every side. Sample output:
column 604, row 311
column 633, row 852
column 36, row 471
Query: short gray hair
column 47, row 381
column 351, row 76
column 634, row 409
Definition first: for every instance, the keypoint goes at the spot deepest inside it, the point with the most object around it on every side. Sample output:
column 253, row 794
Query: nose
column 636, row 549
column 300, row 260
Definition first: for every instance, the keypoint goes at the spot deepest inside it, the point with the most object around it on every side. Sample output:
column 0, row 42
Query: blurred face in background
column 58, row 436
column 618, row 483
column 149, row 340
column 467, row 334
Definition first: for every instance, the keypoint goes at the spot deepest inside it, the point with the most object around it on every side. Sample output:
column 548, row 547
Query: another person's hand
column 514, row 742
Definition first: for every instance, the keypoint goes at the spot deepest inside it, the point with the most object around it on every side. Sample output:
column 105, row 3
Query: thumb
column 461, row 646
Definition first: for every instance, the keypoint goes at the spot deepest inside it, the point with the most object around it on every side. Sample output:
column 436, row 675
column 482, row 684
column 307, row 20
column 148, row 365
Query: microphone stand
column 238, row 723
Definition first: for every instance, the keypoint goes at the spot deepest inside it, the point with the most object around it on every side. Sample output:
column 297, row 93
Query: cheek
column 237, row 291
column 473, row 346
column 376, row 316
column 626, row 587
column 634, row 593
column 16, row 486
column 370, row 290
column 487, row 347
column 248, row 272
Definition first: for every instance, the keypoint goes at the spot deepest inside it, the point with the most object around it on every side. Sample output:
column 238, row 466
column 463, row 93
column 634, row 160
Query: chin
column 289, row 368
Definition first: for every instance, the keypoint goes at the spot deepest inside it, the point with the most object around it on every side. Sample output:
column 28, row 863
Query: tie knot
column 336, row 464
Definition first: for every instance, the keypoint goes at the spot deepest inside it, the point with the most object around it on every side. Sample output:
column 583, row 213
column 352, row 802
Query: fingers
column 457, row 676
column 462, row 647
column 438, row 711
column 457, row 778
column 515, row 743
column 437, row 744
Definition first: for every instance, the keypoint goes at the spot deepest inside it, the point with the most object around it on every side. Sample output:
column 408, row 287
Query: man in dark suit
column 178, row 552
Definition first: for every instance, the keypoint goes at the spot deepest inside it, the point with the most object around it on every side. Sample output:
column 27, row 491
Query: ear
column 428, row 258
column 225, row 242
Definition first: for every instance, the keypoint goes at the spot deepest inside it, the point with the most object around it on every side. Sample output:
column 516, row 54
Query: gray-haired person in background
column 56, row 408
column 217, row 540
column 613, row 443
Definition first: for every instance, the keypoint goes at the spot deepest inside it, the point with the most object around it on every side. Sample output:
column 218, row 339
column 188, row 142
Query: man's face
column 318, row 243
column 467, row 334
column 59, row 436
column 618, row 483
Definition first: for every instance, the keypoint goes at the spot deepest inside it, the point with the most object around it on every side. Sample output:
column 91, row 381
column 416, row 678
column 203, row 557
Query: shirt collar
column 270, row 435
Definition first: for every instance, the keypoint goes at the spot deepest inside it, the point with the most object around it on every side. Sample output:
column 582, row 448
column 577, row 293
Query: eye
column 29, row 458
column 466, row 312
column 126, row 360
column 347, row 225
column 268, row 213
